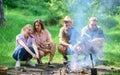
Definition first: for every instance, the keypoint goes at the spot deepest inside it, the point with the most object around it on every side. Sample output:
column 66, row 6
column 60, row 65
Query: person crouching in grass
column 67, row 38
column 23, row 50
column 44, row 42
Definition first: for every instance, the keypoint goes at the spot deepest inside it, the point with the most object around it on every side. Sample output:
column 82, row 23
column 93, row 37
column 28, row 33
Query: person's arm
column 49, row 39
column 26, row 48
column 74, row 37
column 101, row 34
column 62, row 42
column 84, row 35
column 35, row 48
column 65, row 44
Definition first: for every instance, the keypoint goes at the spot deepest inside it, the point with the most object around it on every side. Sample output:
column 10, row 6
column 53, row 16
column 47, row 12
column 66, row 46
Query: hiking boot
column 39, row 61
column 65, row 60
column 17, row 65
column 51, row 65
column 30, row 63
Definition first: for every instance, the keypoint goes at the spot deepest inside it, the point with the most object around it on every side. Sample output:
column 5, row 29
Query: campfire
column 76, row 66
column 60, row 70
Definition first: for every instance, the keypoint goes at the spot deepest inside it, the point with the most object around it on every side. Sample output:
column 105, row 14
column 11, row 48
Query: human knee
column 53, row 45
column 41, row 53
column 61, row 48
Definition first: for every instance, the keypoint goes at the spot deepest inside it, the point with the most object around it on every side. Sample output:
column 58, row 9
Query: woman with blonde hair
column 44, row 42
column 23, row 50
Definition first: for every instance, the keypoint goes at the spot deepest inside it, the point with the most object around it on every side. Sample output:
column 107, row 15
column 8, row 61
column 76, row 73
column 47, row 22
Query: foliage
column 15, row 20
column 53, row 10
column 20, row 12
column 109, row 22
column 118, row 10
column 57, row 10
column 109, row 6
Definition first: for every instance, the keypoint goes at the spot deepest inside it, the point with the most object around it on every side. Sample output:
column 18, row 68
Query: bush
column 52, row 10
column 10, row 3
column 109, row 22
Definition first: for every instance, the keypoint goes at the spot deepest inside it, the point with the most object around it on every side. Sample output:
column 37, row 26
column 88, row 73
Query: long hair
column 25, row 27
column 40, row 22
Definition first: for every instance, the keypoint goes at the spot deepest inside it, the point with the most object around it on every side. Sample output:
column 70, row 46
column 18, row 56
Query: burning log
column 78, row 71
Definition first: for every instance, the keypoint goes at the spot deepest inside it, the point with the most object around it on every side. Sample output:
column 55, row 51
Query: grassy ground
column 15, row 19
column 14, row 22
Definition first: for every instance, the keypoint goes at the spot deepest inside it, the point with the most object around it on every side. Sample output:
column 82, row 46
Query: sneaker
column 51, row 65
column 65, row 57
column 17, row 65
column 39, row 61
column 30, row 63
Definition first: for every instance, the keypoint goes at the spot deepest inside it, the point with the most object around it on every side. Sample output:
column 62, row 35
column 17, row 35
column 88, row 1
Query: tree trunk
column 1, row 14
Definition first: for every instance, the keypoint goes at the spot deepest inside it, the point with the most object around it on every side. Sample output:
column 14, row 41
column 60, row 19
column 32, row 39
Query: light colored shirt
column 27, row 42
column 42, row 38
column 88, row 34
column 68, row 36
column 64, row 35
column 92, row 41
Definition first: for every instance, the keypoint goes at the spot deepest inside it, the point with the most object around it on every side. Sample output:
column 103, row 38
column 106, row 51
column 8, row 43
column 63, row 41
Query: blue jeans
column 69, row 51
column 22, row 55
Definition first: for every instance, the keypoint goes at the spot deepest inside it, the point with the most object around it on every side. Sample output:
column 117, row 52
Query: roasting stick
column 91, row 60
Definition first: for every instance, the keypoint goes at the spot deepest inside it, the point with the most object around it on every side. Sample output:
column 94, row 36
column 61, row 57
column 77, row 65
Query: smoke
column 81, row 11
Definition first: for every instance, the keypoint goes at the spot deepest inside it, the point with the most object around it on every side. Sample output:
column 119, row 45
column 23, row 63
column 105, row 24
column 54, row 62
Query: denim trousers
column 22, row 55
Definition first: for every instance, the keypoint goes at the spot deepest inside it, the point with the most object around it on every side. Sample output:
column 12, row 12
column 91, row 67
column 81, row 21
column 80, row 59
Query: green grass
column 112, row 54
column 15, row 20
